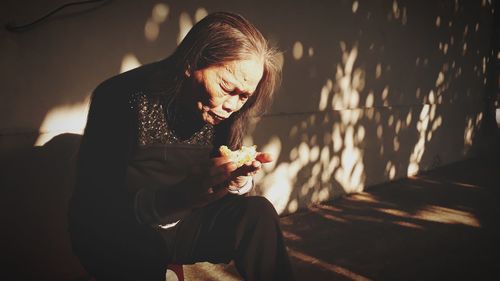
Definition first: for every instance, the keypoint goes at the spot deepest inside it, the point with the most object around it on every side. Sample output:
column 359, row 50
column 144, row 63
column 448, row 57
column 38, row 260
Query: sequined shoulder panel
column 153, row 126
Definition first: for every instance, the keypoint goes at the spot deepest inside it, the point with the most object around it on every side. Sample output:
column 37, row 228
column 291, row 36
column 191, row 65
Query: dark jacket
column 101, row 217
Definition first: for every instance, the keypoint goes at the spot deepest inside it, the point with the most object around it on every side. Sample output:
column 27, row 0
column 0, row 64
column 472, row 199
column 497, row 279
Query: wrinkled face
column 221, row 90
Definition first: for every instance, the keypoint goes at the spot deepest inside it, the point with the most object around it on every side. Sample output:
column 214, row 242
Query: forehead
column 244, row 74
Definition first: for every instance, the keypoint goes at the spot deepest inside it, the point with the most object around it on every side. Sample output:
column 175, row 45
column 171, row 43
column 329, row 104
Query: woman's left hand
column 243, row 174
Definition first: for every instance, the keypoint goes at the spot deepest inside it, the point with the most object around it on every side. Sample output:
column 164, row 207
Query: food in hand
column 239, row 157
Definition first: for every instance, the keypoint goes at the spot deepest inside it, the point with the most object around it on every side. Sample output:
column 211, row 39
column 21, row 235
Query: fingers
column 217, row 161
column 219, row 174
column 264, row 157
column 248, row 169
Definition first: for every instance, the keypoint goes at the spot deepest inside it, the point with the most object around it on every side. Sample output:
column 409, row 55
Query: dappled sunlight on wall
column 349, row 134
column 185, row 24
column 391, row 109
column 152, row 27
column 426, row 125
column 129, row 62
column 63, row 119
column 277, row 181
column 331, row 159
column 472, row 123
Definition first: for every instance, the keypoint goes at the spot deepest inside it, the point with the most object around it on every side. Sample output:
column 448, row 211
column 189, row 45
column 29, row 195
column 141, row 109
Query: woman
column 152, row 188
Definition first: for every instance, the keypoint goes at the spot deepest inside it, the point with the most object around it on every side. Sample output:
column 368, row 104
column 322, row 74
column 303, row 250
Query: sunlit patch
column 151, row 30
column 363, row 197
column 152, row 27
column 310, row 51
column 280, row 60
column 390, row 120
column 291, row 236
column 445, row 48
column 469, row 132
column 160, row 12
column 497, row 116
column 339, row 159
column 328, row 207
column 273, row 147
column 185, row 24
column 404, row 17
column 398, row 126
column 327, row 266
column 298, row 50
column 303, row 153
column 447, row 215
column 395, row 9
column 294, row 154
column 200, row 14
column 325, row 94
column 370, row 100
column 323, row 194
column 396, row 144
column 129, row 62
column 484, row 65
column 408, row 224
column 63, row 119
column 278, row 185
column 393, row 212
column 385, row 94
column 293, row 206
column 378, row 70
column 380, row 131
column 464, row 184
column 419, row 148
column 408, row 118
column 427, row 180
column 355, row 6
column 438, row 21
column 209, row 271
column 314, row 155
column 436, row 214
column 390, row 169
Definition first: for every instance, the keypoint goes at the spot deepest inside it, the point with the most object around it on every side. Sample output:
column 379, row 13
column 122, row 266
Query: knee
column 261, row 207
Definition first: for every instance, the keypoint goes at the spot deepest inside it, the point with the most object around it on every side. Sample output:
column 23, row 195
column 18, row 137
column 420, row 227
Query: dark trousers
column 244, row 229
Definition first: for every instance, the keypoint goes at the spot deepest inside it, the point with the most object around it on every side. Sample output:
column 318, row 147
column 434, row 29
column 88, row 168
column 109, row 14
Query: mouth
column 216, row 116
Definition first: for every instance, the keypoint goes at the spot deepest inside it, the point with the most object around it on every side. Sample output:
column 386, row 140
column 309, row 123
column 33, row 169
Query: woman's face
column 221, row 90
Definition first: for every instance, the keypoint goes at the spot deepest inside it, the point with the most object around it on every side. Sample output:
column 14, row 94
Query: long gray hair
column 222, row 37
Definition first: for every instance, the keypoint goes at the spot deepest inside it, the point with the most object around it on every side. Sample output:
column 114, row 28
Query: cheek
column 210, row 98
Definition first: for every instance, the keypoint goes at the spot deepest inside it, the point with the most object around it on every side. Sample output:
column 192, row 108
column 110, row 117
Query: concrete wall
column 373, row 91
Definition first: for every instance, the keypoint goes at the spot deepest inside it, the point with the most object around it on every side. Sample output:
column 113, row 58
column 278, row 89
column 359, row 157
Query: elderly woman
column 152, row 187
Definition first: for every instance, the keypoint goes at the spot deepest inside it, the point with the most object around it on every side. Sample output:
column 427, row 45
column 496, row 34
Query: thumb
column 264, row 157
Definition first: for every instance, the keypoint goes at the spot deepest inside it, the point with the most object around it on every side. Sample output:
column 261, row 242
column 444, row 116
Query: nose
column 231, row 103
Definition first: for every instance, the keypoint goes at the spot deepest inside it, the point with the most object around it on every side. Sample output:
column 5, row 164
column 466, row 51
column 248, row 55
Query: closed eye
column 226, row 87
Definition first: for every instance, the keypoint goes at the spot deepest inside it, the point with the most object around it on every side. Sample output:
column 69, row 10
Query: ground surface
column 440, row 225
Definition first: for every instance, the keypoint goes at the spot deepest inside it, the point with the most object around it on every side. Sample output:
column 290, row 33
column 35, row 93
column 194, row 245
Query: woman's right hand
column 198, row 188
column 207, row 177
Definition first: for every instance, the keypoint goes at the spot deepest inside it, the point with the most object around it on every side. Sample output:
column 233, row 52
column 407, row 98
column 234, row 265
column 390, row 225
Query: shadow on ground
column 440, row 225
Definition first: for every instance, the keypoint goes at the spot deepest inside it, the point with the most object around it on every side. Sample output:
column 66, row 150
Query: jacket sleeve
column 100, row 198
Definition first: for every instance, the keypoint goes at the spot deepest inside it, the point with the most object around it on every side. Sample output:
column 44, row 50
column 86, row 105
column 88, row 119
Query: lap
column 212, row 233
